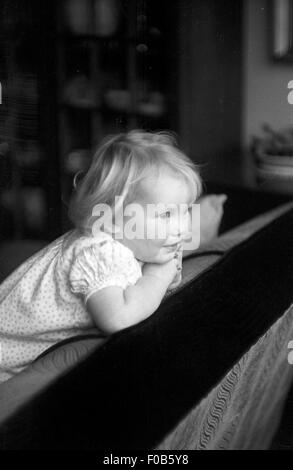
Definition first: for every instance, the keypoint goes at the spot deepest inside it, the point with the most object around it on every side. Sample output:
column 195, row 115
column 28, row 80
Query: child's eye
column 166, row 215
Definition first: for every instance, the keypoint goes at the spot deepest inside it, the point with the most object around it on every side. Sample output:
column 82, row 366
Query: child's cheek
column 156, row 230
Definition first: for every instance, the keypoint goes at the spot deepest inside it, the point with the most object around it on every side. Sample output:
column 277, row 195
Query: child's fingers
column 178, row 256
column 176, row 281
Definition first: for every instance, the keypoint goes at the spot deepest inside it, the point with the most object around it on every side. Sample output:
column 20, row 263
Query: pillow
column 211, row 213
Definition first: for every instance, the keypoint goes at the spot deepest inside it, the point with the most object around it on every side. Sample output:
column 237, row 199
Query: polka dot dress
column 44, row 300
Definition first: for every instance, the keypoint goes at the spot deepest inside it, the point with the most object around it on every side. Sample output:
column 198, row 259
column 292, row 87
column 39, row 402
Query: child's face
column 171, row 193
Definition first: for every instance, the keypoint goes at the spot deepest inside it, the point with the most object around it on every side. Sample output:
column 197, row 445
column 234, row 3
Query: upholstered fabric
column 243, row 411
column 208, row 370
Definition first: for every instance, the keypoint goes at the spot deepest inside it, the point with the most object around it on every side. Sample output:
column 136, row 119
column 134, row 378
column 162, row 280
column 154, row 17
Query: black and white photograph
column 146, row 228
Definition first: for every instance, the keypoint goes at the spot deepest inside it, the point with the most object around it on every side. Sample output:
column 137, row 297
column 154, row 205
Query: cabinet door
column 23, row 191
column 115, row 62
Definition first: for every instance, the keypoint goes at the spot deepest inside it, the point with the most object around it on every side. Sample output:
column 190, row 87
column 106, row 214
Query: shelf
column 122, row 79
column 68, row 106
column 240, row 172
column 106, row 40
column 112, row 111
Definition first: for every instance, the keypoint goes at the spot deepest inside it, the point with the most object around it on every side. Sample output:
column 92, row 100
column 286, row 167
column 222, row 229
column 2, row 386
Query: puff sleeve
column 103, row 264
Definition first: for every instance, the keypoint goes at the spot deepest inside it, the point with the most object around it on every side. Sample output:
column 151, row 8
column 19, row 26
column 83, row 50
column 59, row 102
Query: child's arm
column 114, row 309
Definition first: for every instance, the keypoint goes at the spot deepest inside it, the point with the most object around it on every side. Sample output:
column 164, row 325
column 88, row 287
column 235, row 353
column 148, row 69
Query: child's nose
column 180, row 228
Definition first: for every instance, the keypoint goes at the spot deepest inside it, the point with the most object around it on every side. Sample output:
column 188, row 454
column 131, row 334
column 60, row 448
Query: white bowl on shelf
column 274, row 160
column 119, row 100
column 275, row 172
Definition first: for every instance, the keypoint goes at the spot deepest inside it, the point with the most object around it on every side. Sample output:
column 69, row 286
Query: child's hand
column 176, row 281
column 164, row 271
column 178, row 278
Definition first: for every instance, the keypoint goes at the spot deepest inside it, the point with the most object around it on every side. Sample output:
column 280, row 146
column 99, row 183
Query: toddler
column 98, row 274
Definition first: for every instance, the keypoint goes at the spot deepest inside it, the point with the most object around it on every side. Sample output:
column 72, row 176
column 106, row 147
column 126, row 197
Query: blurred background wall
column 211, row 76
column 265, row 81
column 73, row 71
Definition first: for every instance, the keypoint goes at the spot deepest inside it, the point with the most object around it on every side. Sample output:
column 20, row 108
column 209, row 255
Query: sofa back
column 136, row 387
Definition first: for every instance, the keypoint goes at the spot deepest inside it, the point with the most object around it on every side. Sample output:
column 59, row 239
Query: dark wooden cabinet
column 74, row 71
column 23, row 161
column 115, row 60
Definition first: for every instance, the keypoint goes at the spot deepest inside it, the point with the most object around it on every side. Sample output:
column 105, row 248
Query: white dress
column 43, row 301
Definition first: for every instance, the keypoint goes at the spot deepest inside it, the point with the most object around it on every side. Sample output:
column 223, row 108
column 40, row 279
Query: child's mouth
column 172, row 247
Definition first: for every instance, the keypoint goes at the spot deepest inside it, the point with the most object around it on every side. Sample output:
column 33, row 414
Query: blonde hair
column 120, row 163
